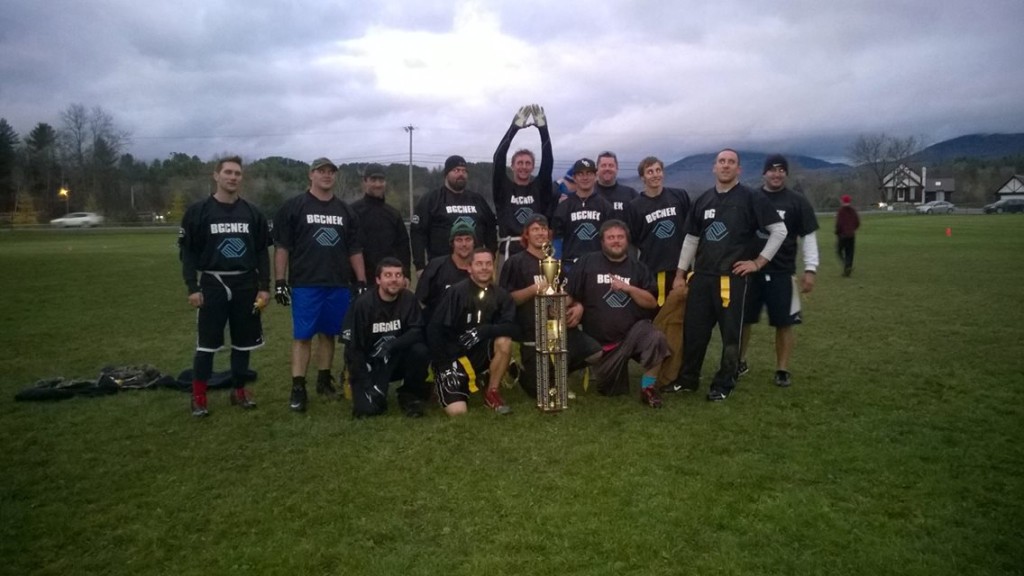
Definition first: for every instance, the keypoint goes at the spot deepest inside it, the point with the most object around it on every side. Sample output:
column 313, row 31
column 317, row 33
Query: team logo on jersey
column 523, row 214
column 716, row 232
column 665, row 229
column 469, row 221
column 616, row 299
column 232, row 248
column 586, row 231
column 327, row 237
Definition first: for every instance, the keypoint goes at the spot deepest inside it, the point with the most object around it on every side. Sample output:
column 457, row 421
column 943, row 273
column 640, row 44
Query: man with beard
column 720, row 244
column 470, row 334
column 612, row 294
column 518, row 198
column 384, row 232
column 440, row 209
column 318, row 258
column 385, row 343
column 577, row 219
column 443, row 271
column 225, row 263
column 521, row 278
column 608, row 186
column 774, row 287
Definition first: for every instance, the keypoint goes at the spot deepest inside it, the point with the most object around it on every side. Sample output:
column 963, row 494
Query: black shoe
column 782, row 378
column 742, row 368
column 326, row 388
column 717, row 395
column 298, row 399
column 414, row 409
column 677, row 385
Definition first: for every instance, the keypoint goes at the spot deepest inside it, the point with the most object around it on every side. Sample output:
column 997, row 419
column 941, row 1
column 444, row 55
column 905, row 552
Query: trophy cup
column 550, row 337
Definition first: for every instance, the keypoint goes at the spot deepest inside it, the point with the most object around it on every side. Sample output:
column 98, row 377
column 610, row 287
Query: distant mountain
column 971, row 146
column 694, row 172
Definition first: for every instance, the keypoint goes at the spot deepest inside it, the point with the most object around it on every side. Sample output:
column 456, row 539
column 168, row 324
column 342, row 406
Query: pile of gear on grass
column 113, row 379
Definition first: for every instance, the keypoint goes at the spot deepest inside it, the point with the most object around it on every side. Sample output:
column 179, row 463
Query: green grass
column 897, row 451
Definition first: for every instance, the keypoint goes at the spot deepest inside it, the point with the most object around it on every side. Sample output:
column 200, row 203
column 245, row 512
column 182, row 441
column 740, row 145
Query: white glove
column 521, row 117
column 539, row 119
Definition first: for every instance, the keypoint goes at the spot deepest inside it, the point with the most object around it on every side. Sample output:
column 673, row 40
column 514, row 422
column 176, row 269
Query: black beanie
column 775, row 160
column 452, row 163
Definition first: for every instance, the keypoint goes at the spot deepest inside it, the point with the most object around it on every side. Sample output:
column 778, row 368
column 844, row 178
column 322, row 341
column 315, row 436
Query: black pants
column 844, row 246
column 707, row 304
column 409, row 365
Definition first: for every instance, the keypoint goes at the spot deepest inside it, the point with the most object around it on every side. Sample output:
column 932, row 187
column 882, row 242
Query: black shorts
column 217, row 310
column 472, row 369
column 777, row 293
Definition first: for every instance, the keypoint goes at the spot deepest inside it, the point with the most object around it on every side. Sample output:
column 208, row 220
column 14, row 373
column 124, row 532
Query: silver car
column 77, row 220
column 936, row 207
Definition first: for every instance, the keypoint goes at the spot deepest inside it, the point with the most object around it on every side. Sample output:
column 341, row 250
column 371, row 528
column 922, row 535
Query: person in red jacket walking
column 847, row 222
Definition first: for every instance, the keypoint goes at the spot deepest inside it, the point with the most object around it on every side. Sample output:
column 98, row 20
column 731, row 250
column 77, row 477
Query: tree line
column 87, row 156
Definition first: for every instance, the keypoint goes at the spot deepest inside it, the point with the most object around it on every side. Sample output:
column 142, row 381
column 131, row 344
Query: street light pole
column 66, row 194
column 409, row 129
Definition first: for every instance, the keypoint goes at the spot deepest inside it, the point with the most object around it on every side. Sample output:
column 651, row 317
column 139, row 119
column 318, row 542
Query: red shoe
column 650, row 397
column 494, row 401
column 242, row 397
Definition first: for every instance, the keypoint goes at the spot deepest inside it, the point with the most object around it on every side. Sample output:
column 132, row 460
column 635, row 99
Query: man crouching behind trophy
column 533, row 277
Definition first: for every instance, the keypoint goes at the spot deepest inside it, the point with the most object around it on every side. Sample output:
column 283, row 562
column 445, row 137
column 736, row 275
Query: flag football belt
column 220, row 277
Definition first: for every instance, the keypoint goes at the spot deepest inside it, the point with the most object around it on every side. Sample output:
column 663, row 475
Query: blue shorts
column 318, row 310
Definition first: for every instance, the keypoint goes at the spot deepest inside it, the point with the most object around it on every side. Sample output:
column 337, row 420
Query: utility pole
column 409, row 129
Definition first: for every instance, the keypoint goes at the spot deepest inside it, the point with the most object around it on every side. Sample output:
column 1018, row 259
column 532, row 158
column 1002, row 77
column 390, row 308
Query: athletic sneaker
column 650, row 397
column 199, row 408
column 742, row 368
column 298, row 399
column 414, row 409
column 494, row 401
column 717, row 395
column 326, row 388
column 782, row 379
column 678, row 386
column 242, row 397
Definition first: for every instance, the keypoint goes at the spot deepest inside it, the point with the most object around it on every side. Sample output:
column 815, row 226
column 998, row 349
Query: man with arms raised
column 470, row 335
column 720, row 244
column 774, row 287
column 384, row 333
column 225, row 262
column 317, row 259
column 518, row 198
column 440, row 209
column 612, row 296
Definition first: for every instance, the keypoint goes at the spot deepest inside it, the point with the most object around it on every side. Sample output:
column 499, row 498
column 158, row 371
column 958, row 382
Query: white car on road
column 77, row 220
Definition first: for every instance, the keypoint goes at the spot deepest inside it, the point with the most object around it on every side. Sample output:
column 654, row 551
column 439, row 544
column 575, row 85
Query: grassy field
column 899, row 449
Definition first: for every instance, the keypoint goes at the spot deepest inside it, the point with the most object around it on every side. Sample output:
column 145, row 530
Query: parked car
column 77, row 219
column 1005, row 205
column 936, row 207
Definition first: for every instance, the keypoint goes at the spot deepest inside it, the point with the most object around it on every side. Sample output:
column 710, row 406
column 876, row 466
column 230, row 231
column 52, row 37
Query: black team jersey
column 218, row 237
column 798, row 214
column 578, row 222
column 466, row 305
column 371, row 318
column 726, row 224
column 319, row 236
column 515, row 203
column 438, row 211
column 518, row 272
column 440, row 274
column 657, row 226
column 383, row 233
column 608, row 314
column 619, row 196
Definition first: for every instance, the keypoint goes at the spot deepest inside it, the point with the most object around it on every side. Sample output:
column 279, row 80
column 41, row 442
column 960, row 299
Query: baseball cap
column 372, row 170
column 584, row 165
column 461, row 228
column 321, row 162
column 570, row 175
column 535, row 219
column 775, row 161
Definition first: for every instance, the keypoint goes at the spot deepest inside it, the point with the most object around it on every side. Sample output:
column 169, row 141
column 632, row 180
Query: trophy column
column 550, row 337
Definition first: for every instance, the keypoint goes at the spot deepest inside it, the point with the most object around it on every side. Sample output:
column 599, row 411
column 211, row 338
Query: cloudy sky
column 302, row 79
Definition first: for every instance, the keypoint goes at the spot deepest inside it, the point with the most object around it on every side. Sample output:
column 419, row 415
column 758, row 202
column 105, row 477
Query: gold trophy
column 552, row 356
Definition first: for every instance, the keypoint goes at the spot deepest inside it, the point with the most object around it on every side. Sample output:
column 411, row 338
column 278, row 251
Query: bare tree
column 880, row 154
column 90, row 143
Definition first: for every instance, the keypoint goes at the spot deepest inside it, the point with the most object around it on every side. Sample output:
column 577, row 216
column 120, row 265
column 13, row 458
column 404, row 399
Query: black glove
column 360, row 288
column 282, row 292
column 382, row 351
column 470, row 338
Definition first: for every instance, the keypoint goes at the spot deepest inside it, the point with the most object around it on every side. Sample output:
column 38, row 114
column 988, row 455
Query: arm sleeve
column 263, row 242
column 547, row 167
column 499, row 175
column 810, row 250
column 689, row 251
column 401, row 249
column 776, row 234
column 489, row 222
column 419, row 229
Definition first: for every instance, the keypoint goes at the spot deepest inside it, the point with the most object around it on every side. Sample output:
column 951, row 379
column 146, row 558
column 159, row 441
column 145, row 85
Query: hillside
column 694, row 172
column 987, row 146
